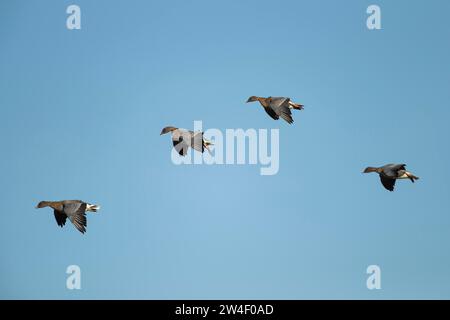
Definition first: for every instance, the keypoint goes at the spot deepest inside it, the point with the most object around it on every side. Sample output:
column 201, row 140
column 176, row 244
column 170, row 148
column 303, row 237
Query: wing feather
column 280, row 106
column 60, row 218
column 197, row 142
column 271, row 113
column 77, row 215
column 387, row 182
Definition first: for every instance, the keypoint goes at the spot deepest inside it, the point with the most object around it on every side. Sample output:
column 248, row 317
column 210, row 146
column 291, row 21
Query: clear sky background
column 81, row 115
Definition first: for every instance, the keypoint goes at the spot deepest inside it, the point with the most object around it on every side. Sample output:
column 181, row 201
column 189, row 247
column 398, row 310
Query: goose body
column 389, row 173
column 183, row 139
column 277, row 107
column 75, row 210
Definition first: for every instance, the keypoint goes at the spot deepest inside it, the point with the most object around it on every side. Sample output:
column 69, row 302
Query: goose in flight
column 390, row 173
column 183, row 139
column 277, row 107
column 75, row 210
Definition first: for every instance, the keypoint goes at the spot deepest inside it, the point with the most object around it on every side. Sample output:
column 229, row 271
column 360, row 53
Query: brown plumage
column 75, row 210
column 277, row 107
column 183, row 139
column 390, row 173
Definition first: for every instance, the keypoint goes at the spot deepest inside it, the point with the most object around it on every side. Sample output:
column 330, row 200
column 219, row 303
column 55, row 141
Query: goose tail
column 92, row 207
column 296, row 106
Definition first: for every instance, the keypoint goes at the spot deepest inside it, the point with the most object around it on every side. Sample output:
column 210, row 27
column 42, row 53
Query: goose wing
column 271, row 113
column 391, row 170
column 60, row 218
column 280, row 106
column 278, row 101
column 197, row 141
column 76, row 211
column 387, row 182
column 181, row 140
column 71, row 207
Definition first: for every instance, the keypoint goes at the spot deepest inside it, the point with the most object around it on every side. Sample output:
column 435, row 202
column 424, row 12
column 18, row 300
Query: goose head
column 252, row 99
column 167, row 130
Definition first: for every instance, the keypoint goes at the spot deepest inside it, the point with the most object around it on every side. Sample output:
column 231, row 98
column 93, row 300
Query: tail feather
column 296, row 106
column 92, row 207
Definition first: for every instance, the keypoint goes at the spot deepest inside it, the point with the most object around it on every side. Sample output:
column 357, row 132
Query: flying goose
column 183, row 139
column 390, row 173
column 75, row 210
column 277, row 107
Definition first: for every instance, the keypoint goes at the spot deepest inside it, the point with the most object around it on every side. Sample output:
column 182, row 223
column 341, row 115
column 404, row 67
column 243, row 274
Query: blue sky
column 82, row 111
